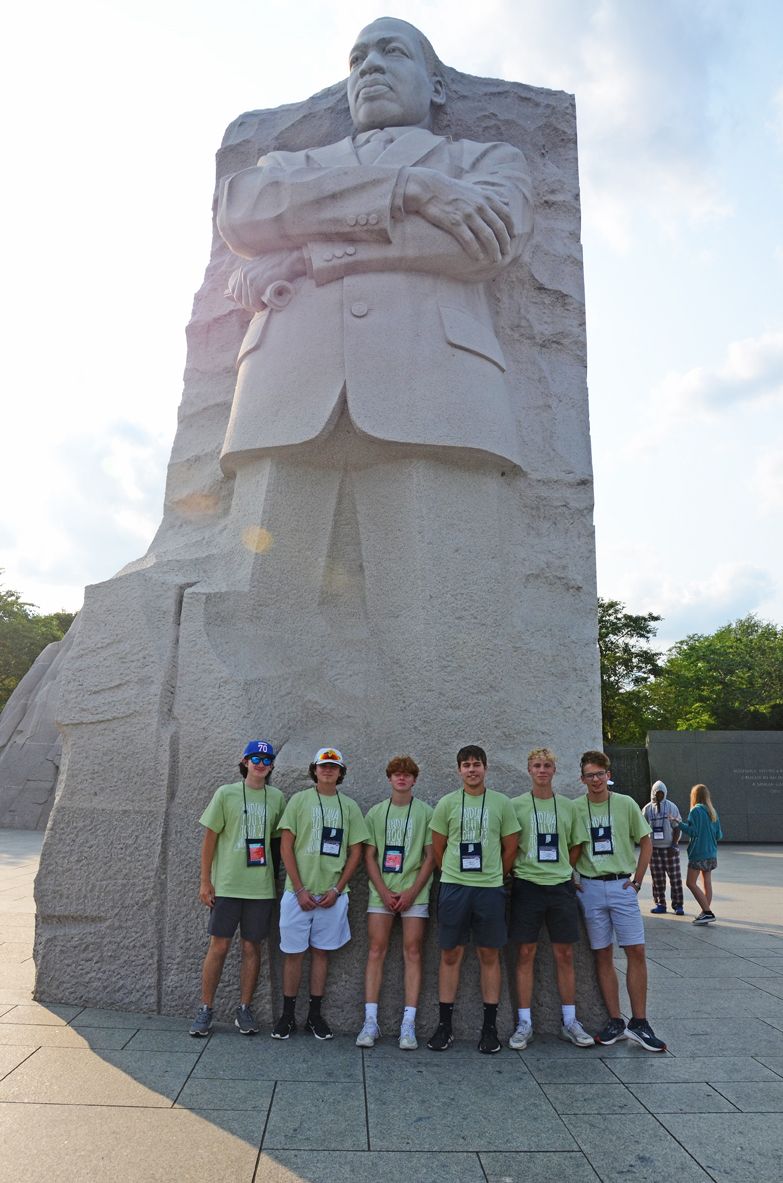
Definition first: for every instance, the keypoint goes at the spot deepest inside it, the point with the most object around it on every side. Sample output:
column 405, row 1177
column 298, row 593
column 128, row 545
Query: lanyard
column 323, row 819
column 405, row 827
column 244, row 798
column 481, row 818
column 535, row 811
column 609, row 803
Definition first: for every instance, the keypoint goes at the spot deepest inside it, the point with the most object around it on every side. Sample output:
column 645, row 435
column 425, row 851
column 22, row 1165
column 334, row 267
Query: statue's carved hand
column 479, row 221
column 250, row 282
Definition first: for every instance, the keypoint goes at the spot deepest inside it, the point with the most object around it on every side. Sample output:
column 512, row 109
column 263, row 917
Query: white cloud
column 768, row 481
column 752, row 369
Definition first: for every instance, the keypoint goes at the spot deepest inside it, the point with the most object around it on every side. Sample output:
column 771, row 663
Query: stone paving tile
column 252, row 1095
column 10, row 1057
column 89, row 1016
column 771, row 965
column 165, row 1041
column 11, row 921
column 697, row 1097
column 755, row 1097
column 313, row 1119
column 773, row 1062
column 636, row 1147
column 17, row 977
column 46, row 1035
column 770, row 985
column 295, row 1166
column 16, row 952
column 14, row 995
column 450, row 1116
column 690, row 1069
column 40, row 1015
column 568, row 1070
column 746, row 1036
column 530, row 1167
column 300, row 1058
column 581, row 1098
column 733, row 1147
column 695, row 968
column 89, row 1145
column 61, row 1076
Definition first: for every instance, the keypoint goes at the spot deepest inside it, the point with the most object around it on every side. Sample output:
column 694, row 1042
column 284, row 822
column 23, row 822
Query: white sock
column 409, row 1014
column 371, row 1012
column 569, row 1014
column 523, row 1015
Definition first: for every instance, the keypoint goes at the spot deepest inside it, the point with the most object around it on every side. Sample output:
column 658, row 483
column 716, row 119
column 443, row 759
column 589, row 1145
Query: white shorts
column 322, row 928
column 611, row 910
column 415, row 912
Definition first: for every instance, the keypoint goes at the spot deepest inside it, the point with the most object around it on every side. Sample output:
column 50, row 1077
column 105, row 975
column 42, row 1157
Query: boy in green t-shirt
column 610, row 880
column 322, row 836
column 238, row 878
column 474, row 840
column 399, row 861
column 543, row 890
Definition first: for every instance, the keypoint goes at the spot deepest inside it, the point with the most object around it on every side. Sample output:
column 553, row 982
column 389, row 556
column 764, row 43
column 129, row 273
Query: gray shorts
column 474, row 915
column 254, row 918
column 611, row 910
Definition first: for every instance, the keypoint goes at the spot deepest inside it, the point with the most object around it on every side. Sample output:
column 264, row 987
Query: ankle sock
column 569, row 1014
column 371, row 1012
column 409, row 1014
column 289, row 1005
column 523, row 1015
column 490, row 1014
column 446, row 1011
column 315, row 1005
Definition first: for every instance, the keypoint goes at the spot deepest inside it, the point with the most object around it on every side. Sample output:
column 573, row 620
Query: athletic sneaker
column 703, row 918
column 656, row 911
column 202, row 1024
column 489, row 1042
column 522, row 1036
column 408, row 1041
column 441, row 1039
column 615, row 1029
column 284, row 1027
column 575, row 1033
column 679, row 911
column 245, row 1020
column 368, row 1034
column 319, row 1027
column 711, row 918
column 642, row 1032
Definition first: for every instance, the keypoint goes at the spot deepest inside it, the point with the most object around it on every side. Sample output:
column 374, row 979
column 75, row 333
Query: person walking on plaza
column 238, row 879
column 321, row 846
column 399, row 860
column 611, row 877
column 474, row 840
column 664, row 819
column 543, row 890
column 703, row 829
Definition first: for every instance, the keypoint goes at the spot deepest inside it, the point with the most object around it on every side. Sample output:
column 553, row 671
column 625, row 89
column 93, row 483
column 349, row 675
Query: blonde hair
column 700, row 795
column 543, row 753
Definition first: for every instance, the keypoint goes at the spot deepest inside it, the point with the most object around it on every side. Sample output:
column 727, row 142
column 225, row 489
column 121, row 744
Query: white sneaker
column 368, row 1034
column 521, row 1037
column 575, row 1033
column 408, row 1041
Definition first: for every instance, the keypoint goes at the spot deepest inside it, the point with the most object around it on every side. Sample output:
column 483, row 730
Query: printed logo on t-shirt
column 256, row 824
column 331, row 820
column 547, row 824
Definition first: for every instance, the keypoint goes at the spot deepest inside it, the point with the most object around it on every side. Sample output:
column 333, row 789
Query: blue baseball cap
column 259, row 747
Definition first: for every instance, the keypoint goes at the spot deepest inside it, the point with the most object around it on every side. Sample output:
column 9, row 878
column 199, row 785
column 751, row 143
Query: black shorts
column 534, row 903
column 254, row 918
column 474, row 915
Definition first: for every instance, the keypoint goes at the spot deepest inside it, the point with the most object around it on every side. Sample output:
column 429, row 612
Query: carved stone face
column 390, row 84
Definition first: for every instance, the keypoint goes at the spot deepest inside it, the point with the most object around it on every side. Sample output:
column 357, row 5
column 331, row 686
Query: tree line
column 729, row 680
column 24, row 633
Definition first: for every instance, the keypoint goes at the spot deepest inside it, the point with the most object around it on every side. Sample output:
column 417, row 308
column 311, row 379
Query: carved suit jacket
column 392, row 309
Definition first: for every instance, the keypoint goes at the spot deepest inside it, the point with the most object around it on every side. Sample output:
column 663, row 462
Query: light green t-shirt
column 497, row 820
column 628, row 827
column 304, row 818
column 555, row 816
column 231, row 875
column 387, row 824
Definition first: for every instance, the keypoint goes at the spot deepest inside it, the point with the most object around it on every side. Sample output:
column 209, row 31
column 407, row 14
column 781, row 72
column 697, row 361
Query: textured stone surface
column 477, row 622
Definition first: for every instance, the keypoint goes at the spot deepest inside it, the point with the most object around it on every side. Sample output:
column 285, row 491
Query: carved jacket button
column 373, row 219
column 350, row 250
column 362, row 219
column 359, row 308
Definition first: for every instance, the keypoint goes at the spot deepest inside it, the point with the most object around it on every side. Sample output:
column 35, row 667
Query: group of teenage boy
column 559, row 853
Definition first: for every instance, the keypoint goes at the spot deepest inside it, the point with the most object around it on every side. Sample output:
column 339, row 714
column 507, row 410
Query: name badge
column 470, row 856
column 331, row 841
column 657, row 832
column 255, row 851
column 393, row 860
column 548, row 848
column 602, row 839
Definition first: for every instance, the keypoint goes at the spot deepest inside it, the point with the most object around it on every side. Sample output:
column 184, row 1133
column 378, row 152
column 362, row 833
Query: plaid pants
column 666, row 862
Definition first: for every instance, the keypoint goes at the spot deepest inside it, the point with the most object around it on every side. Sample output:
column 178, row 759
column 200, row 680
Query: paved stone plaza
column 101, row 1095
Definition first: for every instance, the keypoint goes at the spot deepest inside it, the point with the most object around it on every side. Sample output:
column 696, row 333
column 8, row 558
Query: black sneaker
column 284, row 1027
column 319, row 1027
column 441, row 1039
column 642, row 1032
column 615, row 1029
column 489, row 1042
column 245, row 1020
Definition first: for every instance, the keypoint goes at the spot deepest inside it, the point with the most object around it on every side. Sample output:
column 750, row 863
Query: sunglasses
column 260, row 760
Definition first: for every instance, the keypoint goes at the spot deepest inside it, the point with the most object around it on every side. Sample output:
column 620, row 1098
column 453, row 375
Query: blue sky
column 112, row 114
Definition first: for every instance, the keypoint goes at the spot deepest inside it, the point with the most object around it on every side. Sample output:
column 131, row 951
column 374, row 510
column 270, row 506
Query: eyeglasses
column 594, row 775
column 260, row 760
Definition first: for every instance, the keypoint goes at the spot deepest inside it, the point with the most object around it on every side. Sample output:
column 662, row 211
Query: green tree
column 629, row 663
column 728, row 680
column 24, row 633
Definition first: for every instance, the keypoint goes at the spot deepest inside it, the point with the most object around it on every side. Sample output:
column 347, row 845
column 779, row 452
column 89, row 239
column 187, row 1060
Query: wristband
column 299, row 892
column 637, row 886
column 335, row 890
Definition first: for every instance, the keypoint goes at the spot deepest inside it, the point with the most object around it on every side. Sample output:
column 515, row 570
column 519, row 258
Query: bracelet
column 299, row 892
column 335, row 890
column 637, row 886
